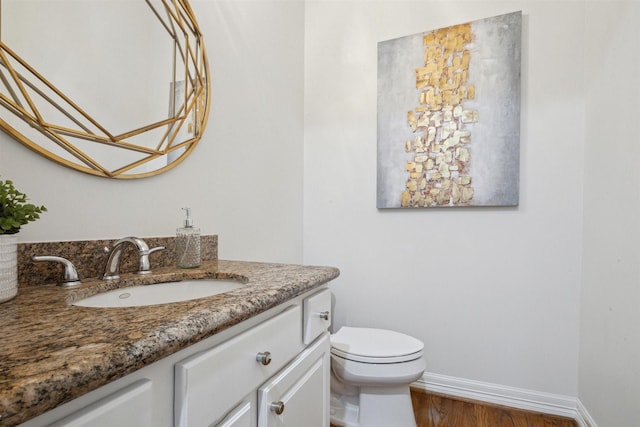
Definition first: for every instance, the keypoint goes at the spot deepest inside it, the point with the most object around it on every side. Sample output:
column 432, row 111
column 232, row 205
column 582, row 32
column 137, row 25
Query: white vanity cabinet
column 210, row 383
column 240, row 377
column 218, row 386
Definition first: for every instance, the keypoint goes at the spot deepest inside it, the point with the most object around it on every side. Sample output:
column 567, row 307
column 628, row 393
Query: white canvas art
column 449, row 116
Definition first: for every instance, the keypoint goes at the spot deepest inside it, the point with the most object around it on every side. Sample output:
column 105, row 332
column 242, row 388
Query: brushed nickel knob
column 324, row 315
column 277, row 407
column 264, row 357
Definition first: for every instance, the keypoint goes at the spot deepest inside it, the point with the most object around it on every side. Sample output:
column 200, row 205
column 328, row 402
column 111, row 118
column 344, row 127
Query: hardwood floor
column 437, row 410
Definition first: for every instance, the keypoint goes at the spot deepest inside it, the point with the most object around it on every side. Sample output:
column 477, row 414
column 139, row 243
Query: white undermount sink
column 160, row 293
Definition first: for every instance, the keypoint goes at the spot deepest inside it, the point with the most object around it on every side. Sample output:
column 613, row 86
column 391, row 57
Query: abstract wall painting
column 449, row 116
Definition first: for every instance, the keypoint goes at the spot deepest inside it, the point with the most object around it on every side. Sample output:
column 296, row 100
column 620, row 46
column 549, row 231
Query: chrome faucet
column 70, row 270
column 112, row 268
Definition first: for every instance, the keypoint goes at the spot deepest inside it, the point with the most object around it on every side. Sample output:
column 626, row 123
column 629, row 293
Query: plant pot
column 8, row 266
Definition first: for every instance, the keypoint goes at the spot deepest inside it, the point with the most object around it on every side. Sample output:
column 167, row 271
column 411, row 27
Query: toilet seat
column 369, row 345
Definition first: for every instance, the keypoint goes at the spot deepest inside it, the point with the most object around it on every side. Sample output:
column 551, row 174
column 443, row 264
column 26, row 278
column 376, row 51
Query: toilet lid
column 375, row 345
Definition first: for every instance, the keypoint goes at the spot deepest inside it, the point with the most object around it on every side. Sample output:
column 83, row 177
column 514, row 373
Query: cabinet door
column 242, row 415
column 299, row 394
column 128, row 407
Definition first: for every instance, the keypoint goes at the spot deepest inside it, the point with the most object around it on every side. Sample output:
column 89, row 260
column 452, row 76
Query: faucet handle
column 70, row 270
column 156, row 249
column 145, row 265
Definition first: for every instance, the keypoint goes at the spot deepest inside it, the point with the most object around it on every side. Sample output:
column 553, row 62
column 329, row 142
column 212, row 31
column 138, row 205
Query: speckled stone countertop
column 53, row 352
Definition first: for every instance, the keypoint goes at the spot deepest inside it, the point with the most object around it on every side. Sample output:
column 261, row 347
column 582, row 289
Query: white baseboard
column 582, row 416
column 547, row 403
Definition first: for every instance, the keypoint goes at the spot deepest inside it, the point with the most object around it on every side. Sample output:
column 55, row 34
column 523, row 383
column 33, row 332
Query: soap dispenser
column 188, row 244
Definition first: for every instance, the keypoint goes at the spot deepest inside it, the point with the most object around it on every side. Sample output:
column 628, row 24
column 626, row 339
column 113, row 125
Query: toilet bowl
column 371, row 370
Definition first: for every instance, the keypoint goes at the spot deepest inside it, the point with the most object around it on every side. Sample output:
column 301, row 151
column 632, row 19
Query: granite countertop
column 53, row 352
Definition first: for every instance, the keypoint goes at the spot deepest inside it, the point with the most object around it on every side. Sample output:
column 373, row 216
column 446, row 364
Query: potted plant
column 14, row 213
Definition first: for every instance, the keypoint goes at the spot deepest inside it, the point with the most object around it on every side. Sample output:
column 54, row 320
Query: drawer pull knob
column 324, row 315
column 264, row 357
column 277, row 407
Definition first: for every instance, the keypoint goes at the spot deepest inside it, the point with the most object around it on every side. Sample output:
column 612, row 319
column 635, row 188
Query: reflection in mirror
column 112, row 88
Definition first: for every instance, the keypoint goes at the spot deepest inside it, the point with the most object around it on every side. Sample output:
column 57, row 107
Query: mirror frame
column 188, row 46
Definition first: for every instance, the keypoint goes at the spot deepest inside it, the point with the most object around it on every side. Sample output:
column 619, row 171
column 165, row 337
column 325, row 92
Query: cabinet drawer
column 207, row 384
column 317, row 315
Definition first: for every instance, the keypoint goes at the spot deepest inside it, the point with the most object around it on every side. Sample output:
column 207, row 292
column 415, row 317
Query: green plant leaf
column 14, row 209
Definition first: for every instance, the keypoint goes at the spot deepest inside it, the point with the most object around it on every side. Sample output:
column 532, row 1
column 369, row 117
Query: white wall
column 493, row 293
column 610, row 320
column 243, row 181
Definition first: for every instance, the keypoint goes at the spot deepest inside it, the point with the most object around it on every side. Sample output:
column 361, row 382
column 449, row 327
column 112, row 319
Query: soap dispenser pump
column 188, row 243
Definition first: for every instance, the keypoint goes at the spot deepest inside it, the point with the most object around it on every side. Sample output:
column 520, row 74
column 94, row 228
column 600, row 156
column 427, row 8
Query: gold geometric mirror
column 117, row 89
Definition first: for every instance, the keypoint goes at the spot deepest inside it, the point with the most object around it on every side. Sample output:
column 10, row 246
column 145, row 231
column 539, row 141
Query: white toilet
column 371, row 370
